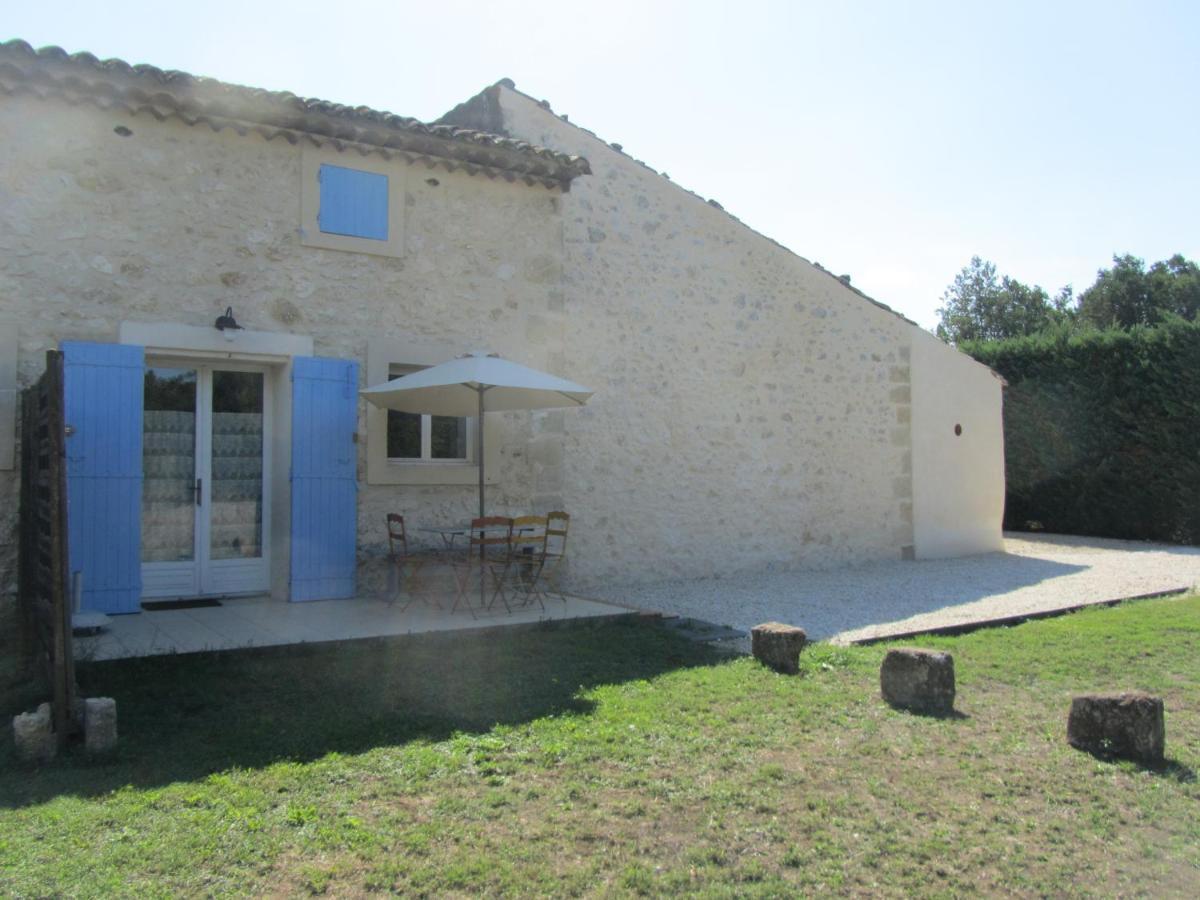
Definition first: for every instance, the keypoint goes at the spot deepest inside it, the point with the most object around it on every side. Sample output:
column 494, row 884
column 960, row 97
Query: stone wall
column 174, row 223
column 751, row 409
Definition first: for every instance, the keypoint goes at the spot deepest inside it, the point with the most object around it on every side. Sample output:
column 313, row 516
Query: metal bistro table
column 449, row 533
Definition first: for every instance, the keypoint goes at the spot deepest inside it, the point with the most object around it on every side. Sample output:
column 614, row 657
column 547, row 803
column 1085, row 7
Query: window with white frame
column 413, row 438
column 420, row 450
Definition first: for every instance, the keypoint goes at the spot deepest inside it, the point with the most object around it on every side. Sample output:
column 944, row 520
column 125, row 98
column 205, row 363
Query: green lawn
column 619, row 760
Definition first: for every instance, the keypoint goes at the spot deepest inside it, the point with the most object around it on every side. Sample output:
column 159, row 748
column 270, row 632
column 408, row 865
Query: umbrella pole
column 479, row 446
column 479, row 458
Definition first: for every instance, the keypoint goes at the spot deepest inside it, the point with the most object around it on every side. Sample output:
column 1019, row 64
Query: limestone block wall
column 173, row 223
column 751, row 409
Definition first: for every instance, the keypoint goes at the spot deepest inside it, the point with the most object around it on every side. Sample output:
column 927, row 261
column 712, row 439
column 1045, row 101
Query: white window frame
column 395, row 370
column 311, row 235
column 384, row 354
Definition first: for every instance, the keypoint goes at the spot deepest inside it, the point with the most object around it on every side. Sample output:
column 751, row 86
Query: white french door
column 205, row 515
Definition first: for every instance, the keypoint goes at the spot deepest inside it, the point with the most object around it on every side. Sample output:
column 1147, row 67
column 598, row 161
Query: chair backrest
column 529, row 536
column 396, row 533
column 491, row 531
column 557, row 524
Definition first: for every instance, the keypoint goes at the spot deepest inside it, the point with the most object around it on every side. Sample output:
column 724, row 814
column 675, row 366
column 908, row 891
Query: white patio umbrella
column 473, row 385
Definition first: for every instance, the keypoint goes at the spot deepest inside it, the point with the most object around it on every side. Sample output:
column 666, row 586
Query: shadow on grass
column 953, row 715
column 1168, row 769
column 185, row 717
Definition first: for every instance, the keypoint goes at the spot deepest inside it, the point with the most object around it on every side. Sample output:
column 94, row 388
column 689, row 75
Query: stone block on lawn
column 919, row 680
column 778, row 646
column 1127, row 725
column 33, row 734
column 100, row 724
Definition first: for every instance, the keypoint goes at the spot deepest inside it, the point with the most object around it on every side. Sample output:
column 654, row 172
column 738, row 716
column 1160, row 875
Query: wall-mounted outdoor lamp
column 227, row 322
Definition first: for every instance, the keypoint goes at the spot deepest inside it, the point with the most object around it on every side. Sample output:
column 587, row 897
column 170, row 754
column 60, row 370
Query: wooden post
column 59, row 591
column 27, row 580
column 44, row 592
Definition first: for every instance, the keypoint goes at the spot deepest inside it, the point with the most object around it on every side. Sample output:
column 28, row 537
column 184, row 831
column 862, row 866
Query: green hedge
column 1102, row 431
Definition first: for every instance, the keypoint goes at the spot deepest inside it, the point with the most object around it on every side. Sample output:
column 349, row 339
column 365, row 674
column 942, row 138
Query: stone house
column 751, row 409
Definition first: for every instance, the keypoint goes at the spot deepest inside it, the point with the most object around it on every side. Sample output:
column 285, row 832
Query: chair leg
column 462, row 578
column 498, row 582
column 391, row 591
column 400, row 583
column 549, row 580
column 533, row 586
column 523, row 577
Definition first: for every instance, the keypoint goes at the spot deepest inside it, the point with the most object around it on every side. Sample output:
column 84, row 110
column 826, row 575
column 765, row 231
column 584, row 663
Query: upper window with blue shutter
column 354, row 203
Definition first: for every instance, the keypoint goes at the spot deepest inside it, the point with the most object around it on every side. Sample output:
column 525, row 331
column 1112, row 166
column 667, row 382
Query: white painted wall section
column 958, row 478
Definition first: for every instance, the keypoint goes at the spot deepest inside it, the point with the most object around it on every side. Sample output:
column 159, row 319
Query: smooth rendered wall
column 958, row 478
column 172, row 224
column 751, row 410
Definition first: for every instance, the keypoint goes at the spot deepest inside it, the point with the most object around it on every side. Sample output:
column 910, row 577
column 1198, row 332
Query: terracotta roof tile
column 165, row 93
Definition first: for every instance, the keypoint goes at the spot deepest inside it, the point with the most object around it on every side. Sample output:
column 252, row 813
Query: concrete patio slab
column 244, row 622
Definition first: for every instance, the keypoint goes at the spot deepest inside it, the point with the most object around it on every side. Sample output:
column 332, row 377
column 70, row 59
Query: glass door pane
column 237, row 465
column 169, row 465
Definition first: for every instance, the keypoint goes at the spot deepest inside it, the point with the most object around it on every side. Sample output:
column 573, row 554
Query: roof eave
column 114, row 84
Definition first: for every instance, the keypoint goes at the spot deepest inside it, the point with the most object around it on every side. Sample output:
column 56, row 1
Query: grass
column 619, row 760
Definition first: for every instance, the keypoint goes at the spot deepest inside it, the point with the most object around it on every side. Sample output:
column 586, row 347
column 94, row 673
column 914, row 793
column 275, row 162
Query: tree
column 1128, row 294
column 978, row 306
column 1176, row 282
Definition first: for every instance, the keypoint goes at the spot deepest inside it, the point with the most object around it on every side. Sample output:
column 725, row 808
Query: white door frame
column 202, row 575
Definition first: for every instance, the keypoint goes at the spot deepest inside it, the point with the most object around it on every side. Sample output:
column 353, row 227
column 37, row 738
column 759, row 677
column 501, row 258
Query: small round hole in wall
column 432, row 182
column 957, row 430
column 122, row 131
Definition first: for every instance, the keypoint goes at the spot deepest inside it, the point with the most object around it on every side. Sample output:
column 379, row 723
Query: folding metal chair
column 557, row 525
column 488, row 545
column 520, row 575
column 406, row 564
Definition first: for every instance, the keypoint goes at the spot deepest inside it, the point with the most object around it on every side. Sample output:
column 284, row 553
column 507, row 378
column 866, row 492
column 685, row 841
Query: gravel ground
column 1035, row 574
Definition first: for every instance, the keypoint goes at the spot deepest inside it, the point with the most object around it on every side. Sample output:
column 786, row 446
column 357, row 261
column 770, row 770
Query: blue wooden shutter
column 103, row 396
column 324, row 486
column 353, row 203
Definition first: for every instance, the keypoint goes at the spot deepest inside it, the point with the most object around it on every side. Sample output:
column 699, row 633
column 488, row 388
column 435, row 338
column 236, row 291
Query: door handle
column 199, row 491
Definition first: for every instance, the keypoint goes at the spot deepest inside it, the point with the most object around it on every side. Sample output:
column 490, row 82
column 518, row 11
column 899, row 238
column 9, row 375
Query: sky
column 891, row 141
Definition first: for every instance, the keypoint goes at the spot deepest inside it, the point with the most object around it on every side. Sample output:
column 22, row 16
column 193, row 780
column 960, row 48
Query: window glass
column 237, row 465
column 403, row 435
column 169, row 465
column 422, row 437
column 448, row 437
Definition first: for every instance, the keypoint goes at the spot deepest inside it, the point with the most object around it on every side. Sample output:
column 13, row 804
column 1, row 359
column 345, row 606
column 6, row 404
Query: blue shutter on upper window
column 353, row 203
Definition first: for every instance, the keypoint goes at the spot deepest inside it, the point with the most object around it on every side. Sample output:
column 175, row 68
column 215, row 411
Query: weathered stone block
column 33, row 734
column 778, row 646
column 920, row 680
column 1129, row 725
column 100, row 724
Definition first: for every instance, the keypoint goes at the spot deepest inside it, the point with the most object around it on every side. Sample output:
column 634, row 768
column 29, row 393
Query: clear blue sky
column 887, row 140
